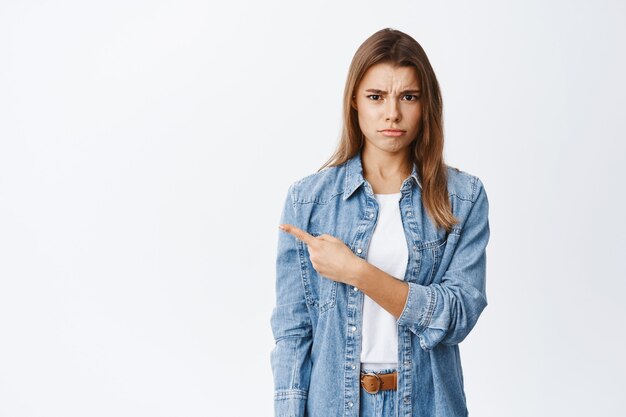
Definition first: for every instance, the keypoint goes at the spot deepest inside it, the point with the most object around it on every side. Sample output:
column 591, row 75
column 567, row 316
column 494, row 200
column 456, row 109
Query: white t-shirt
column 387, row 251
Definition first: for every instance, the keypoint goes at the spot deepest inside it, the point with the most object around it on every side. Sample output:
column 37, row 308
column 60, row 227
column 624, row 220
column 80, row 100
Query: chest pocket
column 431, row 259
column 320, row 292
column 436, row 257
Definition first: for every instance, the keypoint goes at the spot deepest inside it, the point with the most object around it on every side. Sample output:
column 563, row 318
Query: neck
column 385, row 165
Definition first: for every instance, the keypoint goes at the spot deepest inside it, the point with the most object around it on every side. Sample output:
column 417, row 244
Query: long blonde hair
column 397, row 48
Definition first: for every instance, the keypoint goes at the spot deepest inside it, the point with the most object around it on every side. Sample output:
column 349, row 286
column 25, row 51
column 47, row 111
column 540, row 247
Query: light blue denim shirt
column 317, row 322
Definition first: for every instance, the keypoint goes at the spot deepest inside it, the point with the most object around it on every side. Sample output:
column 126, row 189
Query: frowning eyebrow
column 375, row 91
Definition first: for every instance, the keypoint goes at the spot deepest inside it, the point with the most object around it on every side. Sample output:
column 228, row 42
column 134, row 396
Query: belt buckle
column 380, row 383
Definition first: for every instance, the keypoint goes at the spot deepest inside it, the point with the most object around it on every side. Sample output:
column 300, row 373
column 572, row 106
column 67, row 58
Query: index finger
column 299, row 233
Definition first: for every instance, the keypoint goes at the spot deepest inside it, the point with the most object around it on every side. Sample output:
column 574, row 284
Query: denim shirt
column 317, row 322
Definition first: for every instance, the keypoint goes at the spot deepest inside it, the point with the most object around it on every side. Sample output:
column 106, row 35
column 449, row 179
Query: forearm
column 387, row 291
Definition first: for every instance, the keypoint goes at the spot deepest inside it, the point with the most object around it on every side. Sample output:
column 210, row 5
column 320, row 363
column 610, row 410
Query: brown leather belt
column 373, row 382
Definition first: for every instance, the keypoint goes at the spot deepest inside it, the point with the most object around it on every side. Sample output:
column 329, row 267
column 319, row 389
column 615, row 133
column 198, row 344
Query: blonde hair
column 399, row 49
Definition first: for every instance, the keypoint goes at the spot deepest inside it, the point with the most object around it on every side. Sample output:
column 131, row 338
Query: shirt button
column 353, row 366
column 355, row 289
column 408, row 213
column 359, row 250
column 353, row 328
column 371, row 215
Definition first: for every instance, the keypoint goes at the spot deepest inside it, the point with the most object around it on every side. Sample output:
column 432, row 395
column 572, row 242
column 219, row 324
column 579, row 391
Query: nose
column 392, row 112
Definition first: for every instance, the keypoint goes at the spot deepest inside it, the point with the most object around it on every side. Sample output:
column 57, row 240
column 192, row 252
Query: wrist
column 357, row 271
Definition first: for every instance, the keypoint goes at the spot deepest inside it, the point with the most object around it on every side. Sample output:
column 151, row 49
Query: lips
column 392, row 132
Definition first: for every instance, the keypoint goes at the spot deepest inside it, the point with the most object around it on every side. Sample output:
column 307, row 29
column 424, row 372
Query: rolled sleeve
column 419, row 307
column 446, row 312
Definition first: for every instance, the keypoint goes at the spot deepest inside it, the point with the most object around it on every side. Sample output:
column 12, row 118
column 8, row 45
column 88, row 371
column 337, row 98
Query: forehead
column 387, row 75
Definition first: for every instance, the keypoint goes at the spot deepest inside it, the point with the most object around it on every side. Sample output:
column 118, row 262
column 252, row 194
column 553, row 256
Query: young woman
column 380, row 271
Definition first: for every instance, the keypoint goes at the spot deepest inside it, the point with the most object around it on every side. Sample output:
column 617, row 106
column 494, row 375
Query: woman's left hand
column 329, row 256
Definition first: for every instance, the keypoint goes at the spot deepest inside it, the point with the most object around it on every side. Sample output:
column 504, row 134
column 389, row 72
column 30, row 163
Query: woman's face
column 389, row 97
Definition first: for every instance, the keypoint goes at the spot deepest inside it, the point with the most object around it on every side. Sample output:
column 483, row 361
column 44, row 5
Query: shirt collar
column 354, row 175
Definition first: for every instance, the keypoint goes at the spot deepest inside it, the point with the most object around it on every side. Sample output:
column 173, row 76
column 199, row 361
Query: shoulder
column 322, row 186
column 463, row 185
column 319, row 187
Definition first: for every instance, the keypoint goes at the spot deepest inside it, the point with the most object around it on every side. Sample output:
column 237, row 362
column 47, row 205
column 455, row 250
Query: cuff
column 289, row 403
column 419, row 308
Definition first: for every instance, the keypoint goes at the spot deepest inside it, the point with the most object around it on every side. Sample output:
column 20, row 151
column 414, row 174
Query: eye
column 414, row 97
column 374, row 95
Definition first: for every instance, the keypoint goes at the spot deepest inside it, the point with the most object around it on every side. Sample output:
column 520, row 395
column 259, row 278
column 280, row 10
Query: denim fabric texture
column 316, row 322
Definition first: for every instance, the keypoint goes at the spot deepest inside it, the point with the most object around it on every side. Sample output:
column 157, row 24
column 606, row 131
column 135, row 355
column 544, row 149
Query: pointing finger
column 299, row 233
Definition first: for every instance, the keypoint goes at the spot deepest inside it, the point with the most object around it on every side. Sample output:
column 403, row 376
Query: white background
column 146, row 148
